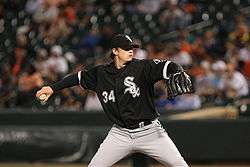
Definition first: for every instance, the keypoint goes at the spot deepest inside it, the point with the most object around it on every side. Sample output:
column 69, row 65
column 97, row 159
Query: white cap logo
column 128, row 38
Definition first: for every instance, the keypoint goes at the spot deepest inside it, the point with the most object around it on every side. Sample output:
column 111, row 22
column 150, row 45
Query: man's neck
column 119, row 63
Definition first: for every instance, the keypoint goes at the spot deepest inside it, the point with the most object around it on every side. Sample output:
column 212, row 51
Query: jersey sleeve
column 88, row 78
column 154, row 69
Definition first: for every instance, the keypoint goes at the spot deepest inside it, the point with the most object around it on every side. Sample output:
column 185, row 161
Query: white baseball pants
column 151, row 140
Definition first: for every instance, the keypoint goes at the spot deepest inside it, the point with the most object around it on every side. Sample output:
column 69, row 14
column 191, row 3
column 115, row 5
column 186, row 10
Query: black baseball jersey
column 126, row 94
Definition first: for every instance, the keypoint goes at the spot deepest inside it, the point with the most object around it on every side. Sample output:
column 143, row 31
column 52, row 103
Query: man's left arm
column 178, row 82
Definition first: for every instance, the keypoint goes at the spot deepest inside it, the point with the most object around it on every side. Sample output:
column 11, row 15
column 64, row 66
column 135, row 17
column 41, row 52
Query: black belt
column 139, row 125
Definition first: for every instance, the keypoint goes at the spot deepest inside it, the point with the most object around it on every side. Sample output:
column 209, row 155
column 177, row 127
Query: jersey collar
column 113, row 70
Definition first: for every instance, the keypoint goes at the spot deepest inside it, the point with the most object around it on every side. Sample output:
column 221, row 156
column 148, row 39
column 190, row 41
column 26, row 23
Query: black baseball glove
column 178, row 83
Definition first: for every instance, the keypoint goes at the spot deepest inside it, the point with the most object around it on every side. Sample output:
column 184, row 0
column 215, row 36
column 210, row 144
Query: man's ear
column 115, row 51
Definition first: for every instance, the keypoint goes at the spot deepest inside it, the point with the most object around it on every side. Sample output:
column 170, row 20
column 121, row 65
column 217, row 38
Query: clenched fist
column 44, row 93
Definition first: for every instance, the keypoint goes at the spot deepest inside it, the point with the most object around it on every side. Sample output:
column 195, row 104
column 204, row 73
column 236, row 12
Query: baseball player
column 125, row 88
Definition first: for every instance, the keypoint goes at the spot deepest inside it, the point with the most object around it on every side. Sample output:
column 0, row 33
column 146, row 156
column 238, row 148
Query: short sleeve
column 156, row 69
column 88, row 78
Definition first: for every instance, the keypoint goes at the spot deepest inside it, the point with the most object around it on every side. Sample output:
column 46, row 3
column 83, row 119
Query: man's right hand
column 44, row 93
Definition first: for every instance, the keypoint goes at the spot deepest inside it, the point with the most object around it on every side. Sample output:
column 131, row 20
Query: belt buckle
column 141, row 124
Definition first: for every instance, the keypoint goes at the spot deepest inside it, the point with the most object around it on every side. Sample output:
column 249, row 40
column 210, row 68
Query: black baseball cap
column 123, row 41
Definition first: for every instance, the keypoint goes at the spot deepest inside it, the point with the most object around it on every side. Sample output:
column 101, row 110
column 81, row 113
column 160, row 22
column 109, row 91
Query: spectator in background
column 211, row 44
column 173, row 17
column 140, row 53
column 244, row 53
column 185, row 102
column 149, row 6
column 59, row 28
column 56, row 62
column 160, row 96
column 107, row 32
column 40, row 62
column 20, row 53
column 235, row 83
column 42, row 65
column 67, row 101
column 219, row 69
column 220, row 83
column 241, row 34
column 151, row 50
column 185, row 43
column 7, row 86
column 232, row 52
column 71, row 59
column 92, row 103
column 198, row 50
column 33, row 5
column 70, row 12
column 183, row 58
column 28, row 82
column 204, row 82
column 244, row 60
column 46, row 13
column 90, row 42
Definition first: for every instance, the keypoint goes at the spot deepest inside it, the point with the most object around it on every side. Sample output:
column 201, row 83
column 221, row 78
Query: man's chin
column 130, row 58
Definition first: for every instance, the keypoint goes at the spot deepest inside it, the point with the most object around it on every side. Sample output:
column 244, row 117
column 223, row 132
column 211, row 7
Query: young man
column 125, row 88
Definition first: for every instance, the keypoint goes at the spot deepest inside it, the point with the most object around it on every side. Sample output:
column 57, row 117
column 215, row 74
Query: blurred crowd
column 44, row 40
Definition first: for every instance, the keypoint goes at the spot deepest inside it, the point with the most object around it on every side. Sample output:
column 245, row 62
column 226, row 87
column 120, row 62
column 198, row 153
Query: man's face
column 124, row 55
column 230, row 70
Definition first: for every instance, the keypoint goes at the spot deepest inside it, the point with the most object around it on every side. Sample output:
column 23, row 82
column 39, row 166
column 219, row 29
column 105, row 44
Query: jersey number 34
column 108, row 96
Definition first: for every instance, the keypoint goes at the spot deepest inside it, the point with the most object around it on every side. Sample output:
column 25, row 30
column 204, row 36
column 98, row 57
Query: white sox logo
column 157, row 61
column 131, row 87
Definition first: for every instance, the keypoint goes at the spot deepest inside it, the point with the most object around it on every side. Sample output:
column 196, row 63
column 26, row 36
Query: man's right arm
column 87, row 79
column 66, row 82
column 46, row 91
